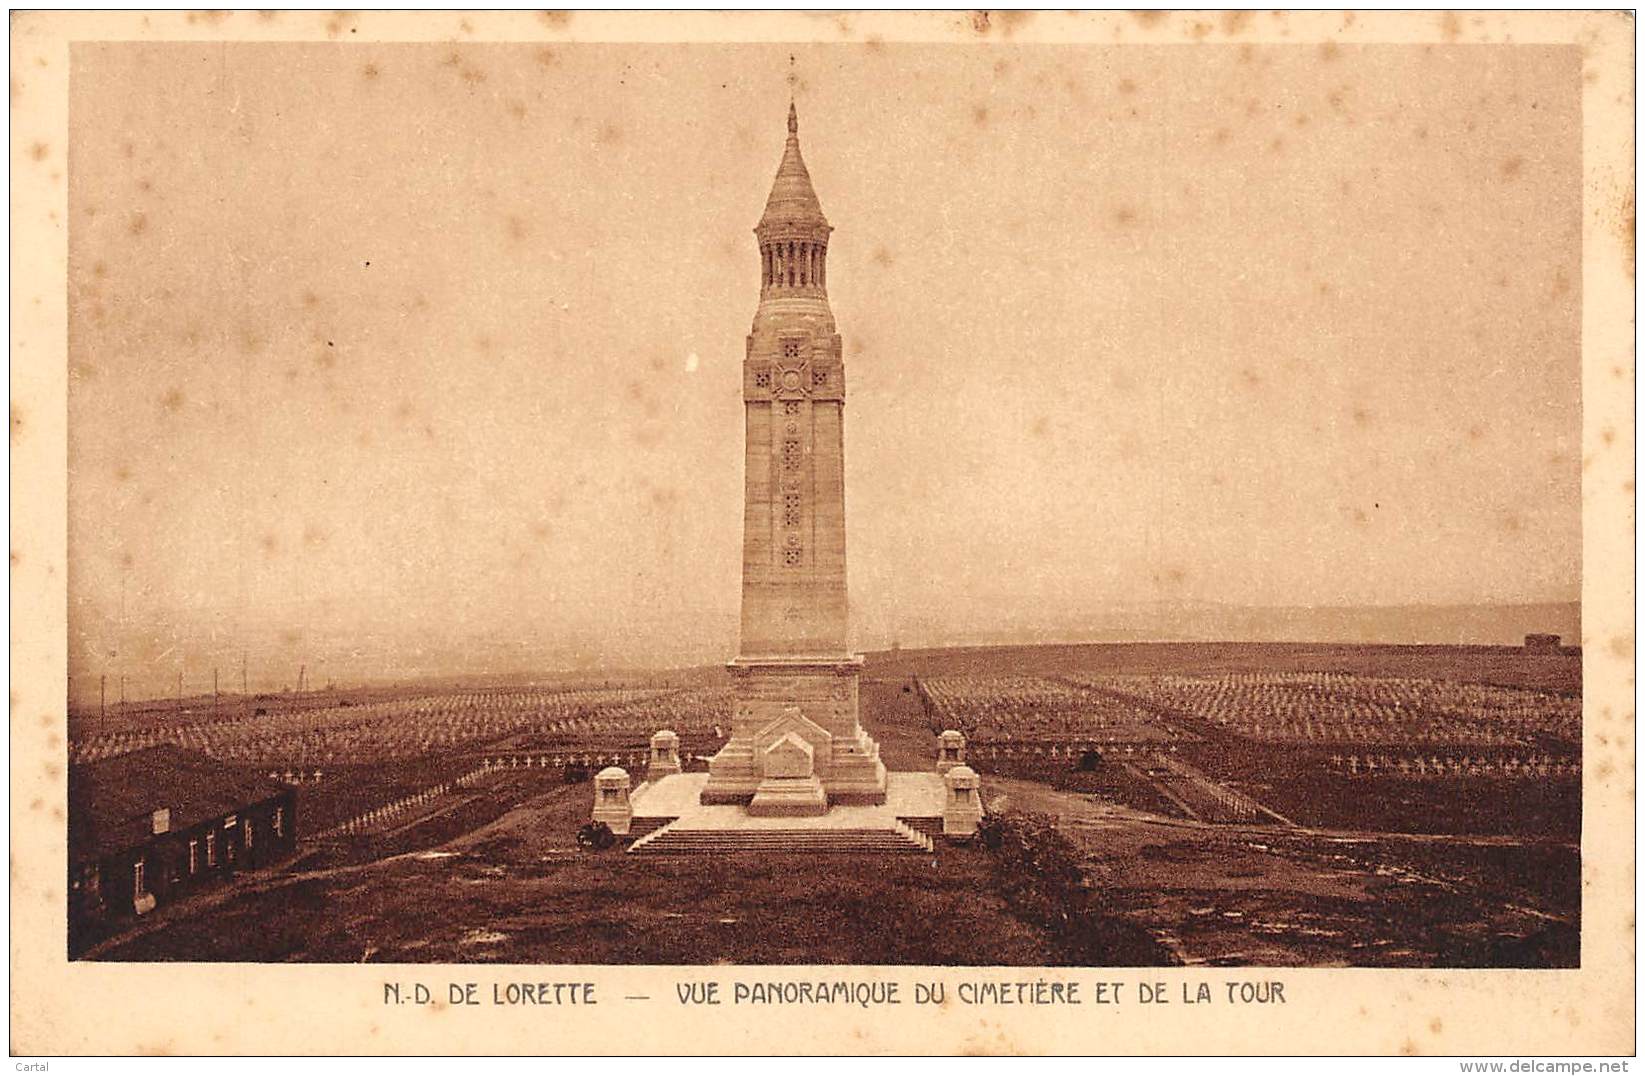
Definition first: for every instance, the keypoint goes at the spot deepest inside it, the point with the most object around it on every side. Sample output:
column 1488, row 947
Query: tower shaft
column 796, row 680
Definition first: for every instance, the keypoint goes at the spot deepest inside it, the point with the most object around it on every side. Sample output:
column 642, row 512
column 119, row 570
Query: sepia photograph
column 471, row 558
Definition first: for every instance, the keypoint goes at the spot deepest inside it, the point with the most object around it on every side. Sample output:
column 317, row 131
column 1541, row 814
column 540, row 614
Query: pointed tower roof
column 793, row 201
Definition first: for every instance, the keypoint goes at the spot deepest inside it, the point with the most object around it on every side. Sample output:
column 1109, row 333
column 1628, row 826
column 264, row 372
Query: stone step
column 931, row 826
column 900, row 839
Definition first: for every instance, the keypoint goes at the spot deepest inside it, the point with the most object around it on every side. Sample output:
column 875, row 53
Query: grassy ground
column 518, row 891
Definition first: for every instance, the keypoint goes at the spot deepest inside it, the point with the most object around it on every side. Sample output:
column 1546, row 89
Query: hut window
column 279, row 821
column 138, row 885
column 193, row 856
column 246, row 825
column 211, row 849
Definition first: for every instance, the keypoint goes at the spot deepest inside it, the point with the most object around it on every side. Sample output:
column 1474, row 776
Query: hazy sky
column 422, row 358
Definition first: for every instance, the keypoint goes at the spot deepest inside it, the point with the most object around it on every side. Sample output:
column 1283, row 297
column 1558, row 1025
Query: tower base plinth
column 785, row 701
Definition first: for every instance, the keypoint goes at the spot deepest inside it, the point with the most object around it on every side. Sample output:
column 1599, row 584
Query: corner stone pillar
column 962, row 808
column 665, row 755
column 950, row 751
column 611, row 804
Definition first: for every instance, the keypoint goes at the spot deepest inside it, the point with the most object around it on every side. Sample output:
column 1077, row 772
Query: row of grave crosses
column 988, row 750
column 1535, row 766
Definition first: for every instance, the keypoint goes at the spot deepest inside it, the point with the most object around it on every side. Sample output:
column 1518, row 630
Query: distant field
column 1505, row 666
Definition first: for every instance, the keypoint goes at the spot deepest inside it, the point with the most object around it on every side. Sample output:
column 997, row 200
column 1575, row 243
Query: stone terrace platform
column 669, row 817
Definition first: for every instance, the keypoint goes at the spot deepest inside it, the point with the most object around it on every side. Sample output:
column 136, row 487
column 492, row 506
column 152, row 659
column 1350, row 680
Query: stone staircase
column 926, row 824
column 671, row 839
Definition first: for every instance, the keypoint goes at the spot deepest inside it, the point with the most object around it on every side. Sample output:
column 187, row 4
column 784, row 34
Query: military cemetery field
column 1222, row 804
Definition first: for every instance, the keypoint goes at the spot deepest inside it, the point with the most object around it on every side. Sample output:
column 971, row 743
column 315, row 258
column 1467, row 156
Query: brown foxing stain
column 1127, row 86
column 1220, row 136
column 883, row 257
column 515, row 227
column 557, row 20
column 339, row 22
column 517, row 109
column 1562, row 282
column 17, row 423
column 1125, row 216
column 1512, row 167
column 39, row 150
column 370, row 71
column 546, row 57
column 1450, row 27
column 1330, row 51
column 138, row 224
column 608, row 134
column 979, row 115
column 1361, row 416
column 1233, row 22
column 983, row 22
column 173, row 400
column 1620, row 209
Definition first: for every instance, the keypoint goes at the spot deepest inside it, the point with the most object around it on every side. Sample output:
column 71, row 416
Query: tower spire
column 792, row 210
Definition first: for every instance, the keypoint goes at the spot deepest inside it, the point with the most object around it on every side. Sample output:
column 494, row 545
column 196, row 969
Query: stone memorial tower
column 796, row 746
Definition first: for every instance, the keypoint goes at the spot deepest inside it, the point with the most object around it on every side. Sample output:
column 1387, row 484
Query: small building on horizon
column 1539, row 643
column 151, row 826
